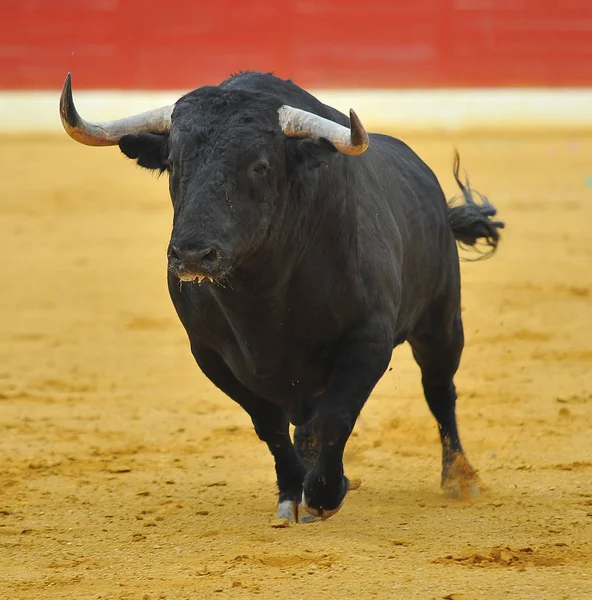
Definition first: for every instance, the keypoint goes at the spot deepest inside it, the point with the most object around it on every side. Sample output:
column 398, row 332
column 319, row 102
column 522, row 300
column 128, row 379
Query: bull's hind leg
column 271, row 425
column 437, row 348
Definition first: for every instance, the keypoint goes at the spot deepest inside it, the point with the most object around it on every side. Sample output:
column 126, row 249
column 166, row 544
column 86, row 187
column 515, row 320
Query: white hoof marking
column 294, row 512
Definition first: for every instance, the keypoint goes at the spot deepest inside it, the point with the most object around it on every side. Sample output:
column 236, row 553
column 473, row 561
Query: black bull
column 296, row 268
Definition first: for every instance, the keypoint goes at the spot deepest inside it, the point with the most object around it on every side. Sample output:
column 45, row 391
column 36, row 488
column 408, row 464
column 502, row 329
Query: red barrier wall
column 160, row 44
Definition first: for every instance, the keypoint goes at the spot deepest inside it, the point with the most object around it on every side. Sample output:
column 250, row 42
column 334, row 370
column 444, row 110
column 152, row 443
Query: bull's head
column 230, row 155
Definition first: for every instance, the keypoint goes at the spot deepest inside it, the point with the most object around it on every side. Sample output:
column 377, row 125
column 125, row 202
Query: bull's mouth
column 195, row 278
column 185, row 275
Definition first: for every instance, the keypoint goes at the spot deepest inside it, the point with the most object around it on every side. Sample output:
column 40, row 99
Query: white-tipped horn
column 109, row 133
column 301, row 123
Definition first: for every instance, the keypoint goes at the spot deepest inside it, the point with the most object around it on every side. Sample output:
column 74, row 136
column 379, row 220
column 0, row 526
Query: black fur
column 322, row 264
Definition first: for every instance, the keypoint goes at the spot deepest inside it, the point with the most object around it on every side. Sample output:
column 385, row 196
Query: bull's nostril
column 174, row 252
column 210, row 258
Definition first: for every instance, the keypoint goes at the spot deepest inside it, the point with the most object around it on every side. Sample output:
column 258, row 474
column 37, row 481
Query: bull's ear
column 309, row 153
column 150, row 150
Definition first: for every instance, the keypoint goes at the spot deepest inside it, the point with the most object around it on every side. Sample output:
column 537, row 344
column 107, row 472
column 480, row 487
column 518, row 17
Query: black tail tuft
column 470, row 221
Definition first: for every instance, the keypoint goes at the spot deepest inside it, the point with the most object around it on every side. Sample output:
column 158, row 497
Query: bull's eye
column 260, row 169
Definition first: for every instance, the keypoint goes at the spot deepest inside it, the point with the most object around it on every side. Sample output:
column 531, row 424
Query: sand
column 125, row 474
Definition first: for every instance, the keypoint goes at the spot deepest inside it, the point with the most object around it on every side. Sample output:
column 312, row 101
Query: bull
column 303, row 250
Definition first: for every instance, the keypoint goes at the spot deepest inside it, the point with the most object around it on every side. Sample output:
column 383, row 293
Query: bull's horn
column 110, row 132
column 300, row 123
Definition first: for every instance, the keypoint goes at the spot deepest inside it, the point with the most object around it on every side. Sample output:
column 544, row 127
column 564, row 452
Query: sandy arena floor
column 124, row 474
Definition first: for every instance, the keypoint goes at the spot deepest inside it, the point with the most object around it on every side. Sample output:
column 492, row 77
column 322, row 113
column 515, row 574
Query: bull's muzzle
column 190, row 263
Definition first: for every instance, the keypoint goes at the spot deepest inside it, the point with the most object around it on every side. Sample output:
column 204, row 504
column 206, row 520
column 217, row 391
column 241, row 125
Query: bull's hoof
column 294, row 512
column 459, row 480
column 323, row 501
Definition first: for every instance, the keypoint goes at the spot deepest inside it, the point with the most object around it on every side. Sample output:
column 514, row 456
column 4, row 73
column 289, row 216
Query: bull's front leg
column 361, row 359
column 271, row 425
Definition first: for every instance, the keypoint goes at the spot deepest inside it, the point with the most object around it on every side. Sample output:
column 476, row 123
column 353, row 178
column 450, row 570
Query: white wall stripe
column 444, row 111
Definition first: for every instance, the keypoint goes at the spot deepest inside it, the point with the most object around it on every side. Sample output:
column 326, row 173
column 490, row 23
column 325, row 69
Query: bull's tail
column 470, row 221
